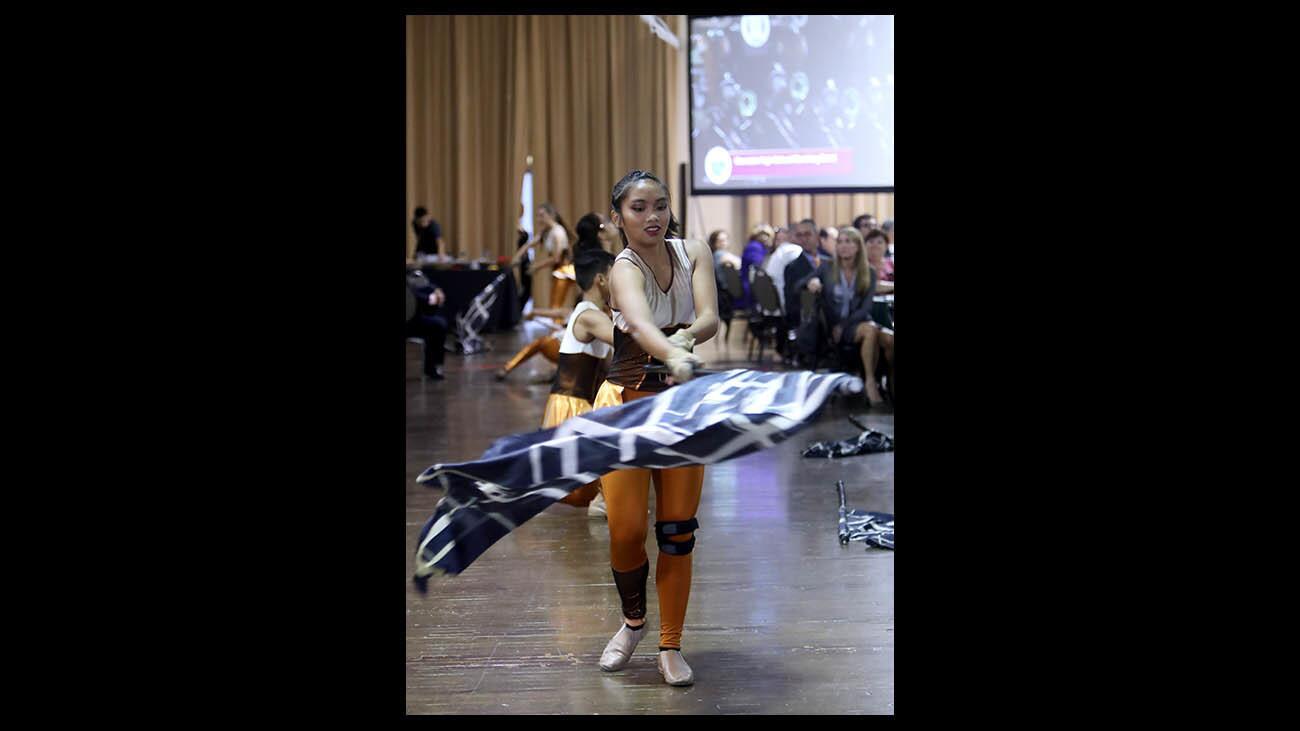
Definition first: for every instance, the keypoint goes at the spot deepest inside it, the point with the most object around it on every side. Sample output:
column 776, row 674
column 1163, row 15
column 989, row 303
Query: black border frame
column 1027, row 448
column 690, row 142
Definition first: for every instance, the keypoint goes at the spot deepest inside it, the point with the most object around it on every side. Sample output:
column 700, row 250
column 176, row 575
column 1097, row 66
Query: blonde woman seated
column 845, row 286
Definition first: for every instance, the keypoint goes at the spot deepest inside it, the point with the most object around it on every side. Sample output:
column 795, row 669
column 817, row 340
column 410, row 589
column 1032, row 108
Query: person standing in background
column 523, row 282
column 555, row 238
column 608, row 235
column 544, row 327
column 428, row 235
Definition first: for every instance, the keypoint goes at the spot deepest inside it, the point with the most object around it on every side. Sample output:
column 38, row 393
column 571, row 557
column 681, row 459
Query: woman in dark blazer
column 844, row 287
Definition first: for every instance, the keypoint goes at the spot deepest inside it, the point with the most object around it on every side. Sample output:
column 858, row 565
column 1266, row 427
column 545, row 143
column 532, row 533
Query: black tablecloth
column 463, row 285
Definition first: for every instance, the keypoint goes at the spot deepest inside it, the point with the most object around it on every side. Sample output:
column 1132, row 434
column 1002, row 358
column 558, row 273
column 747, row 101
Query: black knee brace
column 631, row 589
column 665, row 528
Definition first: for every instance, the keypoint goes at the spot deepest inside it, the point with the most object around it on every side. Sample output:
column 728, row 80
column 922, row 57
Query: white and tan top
column 571, row 344
column 674, row 307
column 555, row 238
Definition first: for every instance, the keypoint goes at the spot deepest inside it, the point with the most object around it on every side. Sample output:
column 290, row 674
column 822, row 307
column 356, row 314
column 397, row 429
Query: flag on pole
column 703, row 421
column 526, row 200
column 477, row 315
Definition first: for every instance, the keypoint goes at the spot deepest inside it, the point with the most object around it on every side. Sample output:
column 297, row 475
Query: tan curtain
column 827, row 209
column 590, row 97
column 587, row 96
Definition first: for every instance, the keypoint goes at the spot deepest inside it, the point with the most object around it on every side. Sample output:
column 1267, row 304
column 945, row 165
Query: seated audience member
column 798, row 270
column 808, row 340
column 723, row 258
column 759, row 246
column 780, row 236
column 864, row 224
column 718, row 241
column 783, row 252
column 826, row 241
column 888, row 228
column 877, row 244
column 845, row 286
column 429, row 322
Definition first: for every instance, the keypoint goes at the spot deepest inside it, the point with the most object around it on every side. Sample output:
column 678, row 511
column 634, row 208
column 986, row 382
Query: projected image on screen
column 792, row 102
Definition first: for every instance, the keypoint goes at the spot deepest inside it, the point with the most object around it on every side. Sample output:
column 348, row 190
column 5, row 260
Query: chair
column 419, row 347
column 415, row 276
column 731, row 282
column 766, row 319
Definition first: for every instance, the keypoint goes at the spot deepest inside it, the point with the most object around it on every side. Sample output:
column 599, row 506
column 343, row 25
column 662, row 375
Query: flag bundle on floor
column 874, row 529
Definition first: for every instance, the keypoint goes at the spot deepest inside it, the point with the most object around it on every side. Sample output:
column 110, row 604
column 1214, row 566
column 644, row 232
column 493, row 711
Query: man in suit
column 805, row 234
column 428, row 322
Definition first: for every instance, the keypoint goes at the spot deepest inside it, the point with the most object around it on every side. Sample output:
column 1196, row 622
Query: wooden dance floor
column 782, row 618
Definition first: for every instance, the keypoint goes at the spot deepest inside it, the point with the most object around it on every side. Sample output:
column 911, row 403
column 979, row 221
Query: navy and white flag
column 703, row 421
column 875, row 529
column 476, row 316
column 869, row 441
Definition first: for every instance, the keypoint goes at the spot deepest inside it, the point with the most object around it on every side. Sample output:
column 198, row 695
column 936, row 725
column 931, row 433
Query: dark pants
column 808, row 343
column 433, row 329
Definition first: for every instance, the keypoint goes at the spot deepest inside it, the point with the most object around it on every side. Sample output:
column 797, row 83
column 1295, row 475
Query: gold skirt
column 559, row 409
column 614, row 395
column 608, row 395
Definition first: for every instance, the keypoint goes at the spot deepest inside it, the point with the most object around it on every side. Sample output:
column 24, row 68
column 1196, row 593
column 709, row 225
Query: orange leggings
column 677, row 497
column 548, row 345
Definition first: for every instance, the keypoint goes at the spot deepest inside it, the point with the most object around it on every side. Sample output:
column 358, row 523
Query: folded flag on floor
column 868, row 442
column 703, row 421
column 875, row 529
